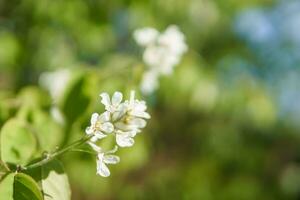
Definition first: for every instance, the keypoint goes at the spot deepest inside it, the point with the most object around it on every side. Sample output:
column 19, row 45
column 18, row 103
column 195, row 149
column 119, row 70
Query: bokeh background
column 224, row 126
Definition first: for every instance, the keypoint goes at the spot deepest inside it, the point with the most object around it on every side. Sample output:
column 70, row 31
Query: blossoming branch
column 122, row 119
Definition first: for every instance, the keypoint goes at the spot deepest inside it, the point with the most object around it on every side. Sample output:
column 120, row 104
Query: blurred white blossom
column 124, row 119
column 146, row 36
column 57, row 115
column 55, row 82
column 149, row 82
column 163, row 51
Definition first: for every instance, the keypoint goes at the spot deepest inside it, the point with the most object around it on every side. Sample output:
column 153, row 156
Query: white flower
column 145, row 36
column 160, row 59
column 173, row 39
column 162, row 53
column 55, row 82
column 135, row 116
column 100, row 126
column 104, row 158
column 57, row 115
column 137, row 108
column 131, row 124
column 149, row 82
column 113, row 105
column 125, row 138
column 128, row 118
column 123, row 119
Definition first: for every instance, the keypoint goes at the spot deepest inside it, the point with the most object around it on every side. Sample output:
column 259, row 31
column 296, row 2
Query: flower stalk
column 51, row 156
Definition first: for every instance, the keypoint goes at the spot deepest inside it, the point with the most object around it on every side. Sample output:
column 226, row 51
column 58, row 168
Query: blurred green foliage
column 210, row 136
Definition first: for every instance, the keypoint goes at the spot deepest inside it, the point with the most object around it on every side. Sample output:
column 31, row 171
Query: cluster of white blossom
column 123, row 119
column 163, row 51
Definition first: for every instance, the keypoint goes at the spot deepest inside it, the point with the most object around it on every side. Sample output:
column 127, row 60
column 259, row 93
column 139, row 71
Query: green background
column 224, row 126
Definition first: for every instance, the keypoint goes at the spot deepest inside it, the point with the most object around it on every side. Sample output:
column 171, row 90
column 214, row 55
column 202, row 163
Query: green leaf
column 76, row 99
column 6, row 187
column 19, row 187
column 53, row 181
column 18, row 144
column 25, row 188
column 48, row 132
column 32, row 96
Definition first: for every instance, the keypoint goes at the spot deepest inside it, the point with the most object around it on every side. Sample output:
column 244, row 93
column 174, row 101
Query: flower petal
column 107, row 127
column 99, row 135
column 124, row 140
column 122, row 108
column 138, row 122
column 132, row 133
column 140, row 105
column 122, row 126
column 89, row 130
column 104, row 117
column 138, row 113
column 117, row 98
column 111, row 159
column 105, row 99
column 94, row 118
column 94, row 139
column 95, row 147
column 102, row 169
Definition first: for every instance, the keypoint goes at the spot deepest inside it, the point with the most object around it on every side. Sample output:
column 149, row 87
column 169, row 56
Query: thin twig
column 84, row 151
column 51, row 156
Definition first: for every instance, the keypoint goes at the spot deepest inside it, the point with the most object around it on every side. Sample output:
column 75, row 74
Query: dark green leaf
column 25, row 188
column 76, row 99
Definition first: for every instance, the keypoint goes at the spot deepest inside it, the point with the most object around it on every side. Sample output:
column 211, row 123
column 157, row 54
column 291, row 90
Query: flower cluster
column 123, row 119
column 163, row 51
